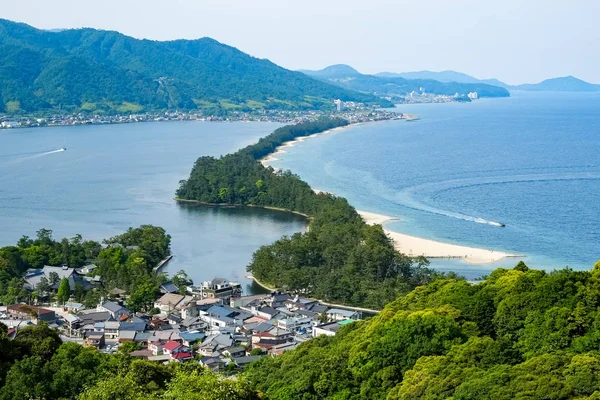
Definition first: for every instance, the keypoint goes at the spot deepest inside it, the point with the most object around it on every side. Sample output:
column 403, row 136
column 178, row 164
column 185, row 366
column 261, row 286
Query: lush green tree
column 64, row 291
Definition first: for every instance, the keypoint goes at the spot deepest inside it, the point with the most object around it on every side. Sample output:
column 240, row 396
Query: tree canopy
column 339, row 258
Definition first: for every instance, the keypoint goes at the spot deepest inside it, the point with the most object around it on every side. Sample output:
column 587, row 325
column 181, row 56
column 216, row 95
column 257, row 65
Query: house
column 295, row 324
column 94, row 339
column 238, row 302
column 236, row 351
column 205, row 304
column 142, row 338
column 213, row 345
column 279, row 349
column 156, row 348
column 278, row 299
column 220, row 288
column 86, row 269
column 337, row 314
column 215, row 364
column 329, row 329
column 73, row 321
column 135, row 326
column 171, row 347
column 168, row 302
column 242, row 362
column 168, row 287
column 182, row 356
column 111, row 330
column 114, row 309
column 73, row 307
column 126, row 336
column 189, row 338
column 91, row 317
column 24, row 311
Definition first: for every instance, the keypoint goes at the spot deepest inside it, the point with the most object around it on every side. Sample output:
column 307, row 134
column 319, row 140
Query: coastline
column 410, row 245
column 203, row 203
column 415, row 246
column 281, row 149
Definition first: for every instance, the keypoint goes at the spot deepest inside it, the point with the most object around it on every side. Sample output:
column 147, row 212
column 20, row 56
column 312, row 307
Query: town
column 353, row 112
column 212, row 323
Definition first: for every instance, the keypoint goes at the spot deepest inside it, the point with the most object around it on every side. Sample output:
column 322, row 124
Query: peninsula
column 412, row 246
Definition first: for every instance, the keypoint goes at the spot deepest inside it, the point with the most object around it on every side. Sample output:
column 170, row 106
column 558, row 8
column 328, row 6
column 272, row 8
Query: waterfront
column 115, row 176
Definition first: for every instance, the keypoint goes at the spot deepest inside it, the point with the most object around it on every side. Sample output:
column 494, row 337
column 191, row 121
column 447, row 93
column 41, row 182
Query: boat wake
column 410, row 197
column 21, row 157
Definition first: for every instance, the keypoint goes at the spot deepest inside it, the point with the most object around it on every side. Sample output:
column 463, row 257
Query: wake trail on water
column 409, row 197
column 29, row 156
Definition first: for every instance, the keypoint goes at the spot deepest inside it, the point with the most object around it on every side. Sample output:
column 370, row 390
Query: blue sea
column 117, row 176
column 531, row 162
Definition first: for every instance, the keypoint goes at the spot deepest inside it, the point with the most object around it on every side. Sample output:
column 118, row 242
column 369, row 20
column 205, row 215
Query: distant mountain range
column 395, row 86
column 562, row 84
column 103, row 71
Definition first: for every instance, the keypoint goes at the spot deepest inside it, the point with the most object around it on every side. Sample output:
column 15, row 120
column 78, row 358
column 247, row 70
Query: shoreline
column 205, row 204
column 416, row 246
column 412, row 246
column 280, row 149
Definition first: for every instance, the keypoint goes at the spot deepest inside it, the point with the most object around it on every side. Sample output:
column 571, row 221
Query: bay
column 112, row 177
column 530, row 162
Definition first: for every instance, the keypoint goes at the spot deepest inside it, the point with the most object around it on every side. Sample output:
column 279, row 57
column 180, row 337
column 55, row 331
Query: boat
column 63, row 149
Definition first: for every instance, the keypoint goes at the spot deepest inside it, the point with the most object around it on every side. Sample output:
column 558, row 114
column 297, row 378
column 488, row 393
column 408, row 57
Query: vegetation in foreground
column 339, row 259
column 37, row 365
column 520, row 334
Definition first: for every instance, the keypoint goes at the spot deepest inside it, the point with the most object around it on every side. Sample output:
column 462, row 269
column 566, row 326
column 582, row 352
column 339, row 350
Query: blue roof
column 220, row 311
column 99, row 325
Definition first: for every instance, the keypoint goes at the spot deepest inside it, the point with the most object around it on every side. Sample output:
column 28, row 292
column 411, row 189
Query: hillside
column 520, row 334
column 398, row 87
column 102, row 71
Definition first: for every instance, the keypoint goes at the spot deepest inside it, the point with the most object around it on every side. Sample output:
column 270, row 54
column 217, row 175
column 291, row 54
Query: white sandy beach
column 416, row 246
column 281, row 149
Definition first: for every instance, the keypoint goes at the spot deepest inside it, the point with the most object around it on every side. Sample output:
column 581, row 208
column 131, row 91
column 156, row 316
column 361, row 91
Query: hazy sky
column 514, row 40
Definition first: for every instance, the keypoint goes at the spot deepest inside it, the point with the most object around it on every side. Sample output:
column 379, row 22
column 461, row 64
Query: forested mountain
column 340, row 258
column 93, row 70
column 395, row 86
column 520, row 334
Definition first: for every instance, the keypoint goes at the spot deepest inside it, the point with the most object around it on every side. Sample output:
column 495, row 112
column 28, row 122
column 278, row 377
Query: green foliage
column 64, row 291
column 520, row 334
column 126, row 263
column 92, row 70
column 340, row 258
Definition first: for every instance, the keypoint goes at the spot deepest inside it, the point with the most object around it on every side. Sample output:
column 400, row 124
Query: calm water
column 531, row 162
column 115, row 176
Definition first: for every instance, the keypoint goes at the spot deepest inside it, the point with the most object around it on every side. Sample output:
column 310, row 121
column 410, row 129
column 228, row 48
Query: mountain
column 104, row 71
column 333, row 71
column 564, row 84
column 443, row 76
column 397, row 87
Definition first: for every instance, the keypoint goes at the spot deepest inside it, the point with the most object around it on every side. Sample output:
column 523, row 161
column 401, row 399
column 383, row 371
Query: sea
column 530, row 162
column 112, row 177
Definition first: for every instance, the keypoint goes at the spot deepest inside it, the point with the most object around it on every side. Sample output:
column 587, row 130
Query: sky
column 516, row 41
